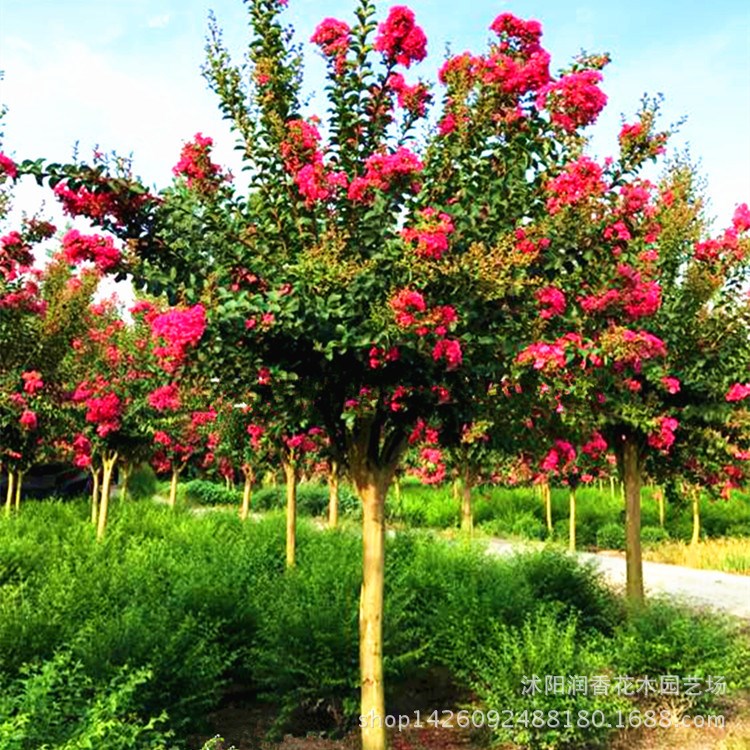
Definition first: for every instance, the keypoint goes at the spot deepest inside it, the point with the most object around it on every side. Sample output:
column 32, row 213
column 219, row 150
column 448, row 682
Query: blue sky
column 125, row 74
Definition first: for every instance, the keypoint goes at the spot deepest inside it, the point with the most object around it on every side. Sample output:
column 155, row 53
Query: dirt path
column 724, row 592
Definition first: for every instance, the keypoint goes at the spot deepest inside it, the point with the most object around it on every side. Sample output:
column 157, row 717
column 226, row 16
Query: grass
column 728, row 555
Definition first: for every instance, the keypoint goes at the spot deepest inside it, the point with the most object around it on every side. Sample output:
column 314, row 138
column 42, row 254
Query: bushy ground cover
column 135, row 641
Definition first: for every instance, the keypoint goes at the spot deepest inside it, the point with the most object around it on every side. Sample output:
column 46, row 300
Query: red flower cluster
column 728, row 246
column 543, row 356
column 382, row 171
column 595, row 447
column 179, row 329
column 450, row 350
column 518, row 64
column 28, row 420
column 105, row 412
column 581, row 180
column 430, row 234
column 256, row 432
column 527, row 245
column 574, row 101
column 560, row 458
column 300, row 146
column 413, row 99
column 81, row 451
column 8, row 166
column 551, row 302
column 399, row 38
column 738, row 392
column 671, row 385
column 664, row 438
column 333, row 38
column 165, row 398
column 380, row 357
column 32, row 382
column 195, row 165
column 639, row 298
column 78, row 248
column 15, row 254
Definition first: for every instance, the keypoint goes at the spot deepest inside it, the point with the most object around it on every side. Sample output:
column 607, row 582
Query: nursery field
column 182, row 625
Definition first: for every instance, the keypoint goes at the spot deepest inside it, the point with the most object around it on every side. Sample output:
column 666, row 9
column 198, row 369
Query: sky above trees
column 124, row 75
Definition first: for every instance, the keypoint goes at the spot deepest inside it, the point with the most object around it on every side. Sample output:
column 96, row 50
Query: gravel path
column 724, row 592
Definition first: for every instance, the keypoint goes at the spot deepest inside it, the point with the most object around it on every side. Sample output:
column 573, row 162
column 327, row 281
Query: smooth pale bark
column 124, row 485
column 333, row 495
column 467, row 516
column 246, row 493
column 95, row 497
column 631, row 475
column 457, row 489
column 696, row 498
column 659, row 492
column 547, row 499
column 572, row 521
column 9, row 493
column 18, row 488
column 109, row 466
column 290, row 474
column 612, row 487
column 173, row 488
column 372, row 493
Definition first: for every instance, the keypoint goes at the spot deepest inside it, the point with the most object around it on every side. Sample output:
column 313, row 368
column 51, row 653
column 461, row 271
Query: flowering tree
column 387, row 273
column 631, row 345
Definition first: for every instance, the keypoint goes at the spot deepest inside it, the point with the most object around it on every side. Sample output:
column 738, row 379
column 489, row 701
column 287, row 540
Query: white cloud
column 158, row 22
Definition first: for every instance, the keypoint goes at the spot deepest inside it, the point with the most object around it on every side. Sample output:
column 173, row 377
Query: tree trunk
column 547, row 498
column 659, row 492
column 612, row 487
column 125, row 479
column 95, row 496
column 246, row 493
column 9, row 494
column 572, row 527
column 696, row 497
column 372, row 492
column 173, row 488
column 290, row 473
column 109, row 466
column 631, row 478
column 333, row 495
column 467, row 517
column 18, row 488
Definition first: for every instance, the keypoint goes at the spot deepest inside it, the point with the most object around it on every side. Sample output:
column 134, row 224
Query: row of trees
column 469, row 282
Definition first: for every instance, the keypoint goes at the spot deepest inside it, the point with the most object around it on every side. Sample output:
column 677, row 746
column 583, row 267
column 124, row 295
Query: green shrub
column 204, row 492
column 653, row 534
column 529, row 527
column 312, row 499
column 56, row 705
column 611, row 536
column 142, row 483
column 514, row 659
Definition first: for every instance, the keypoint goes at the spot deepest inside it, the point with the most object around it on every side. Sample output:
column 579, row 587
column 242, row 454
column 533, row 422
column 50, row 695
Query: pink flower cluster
column 738, row 392
column 178, row 329
column 560, row 458
column 333, row 38
column 663, row 438
column 551, row 302
column 430, row 234
column 28, row 420
column 78, row 248
column 195, row 165
column 574, row 101
column 413, row 99
column 384, row 170
column 580, row 181
column 256, row 432
column 595, row 447
column 543, row 356
column 81, row 451
column 8, row 166
column 527, row 245
column 32, row 382
column 517, row 64
column 379, row 357
column 671, row 385
column 15, row 254
column 400, row 40
column 165, row 398
column 728, row 246
column 450, row 351
column 105, row 411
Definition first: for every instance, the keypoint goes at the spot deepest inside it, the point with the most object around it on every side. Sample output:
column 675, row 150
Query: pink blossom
column 32, row 382
column 405, row 304
column 741, row 218
column 581, row 180
column 195, row 164
column 664, row 438
column 551, row 301
column 77, row 247
column 450, row 350
column 165, row 398
column 333, row 38
column 430, row 234
column 400, row 39
column 543, row 356
column 575, row 100
column 28, row 420
column 671, row 385
column 738, row 392
column 8, row 166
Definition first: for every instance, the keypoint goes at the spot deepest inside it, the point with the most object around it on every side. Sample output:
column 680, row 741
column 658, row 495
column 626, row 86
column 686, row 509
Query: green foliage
column 312, row 499
column 56, row 705
column 204, row 492
column 142, row 483
column 653, row 535
column 611, row 536
column 544, row 645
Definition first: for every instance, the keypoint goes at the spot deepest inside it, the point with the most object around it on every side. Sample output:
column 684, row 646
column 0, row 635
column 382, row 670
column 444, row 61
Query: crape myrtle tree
column 646, row 327
column 384, row 268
